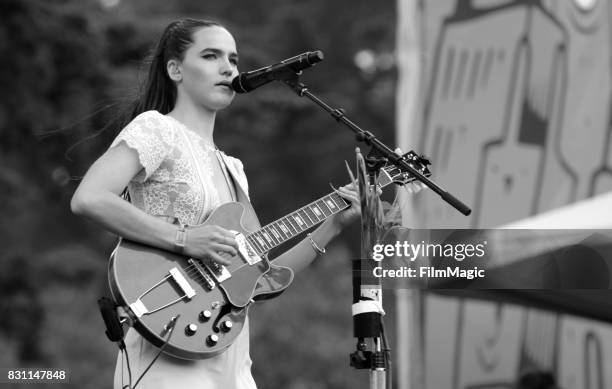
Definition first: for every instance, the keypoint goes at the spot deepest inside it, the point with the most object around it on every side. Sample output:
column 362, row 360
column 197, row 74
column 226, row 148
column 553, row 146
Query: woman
column 167, row 158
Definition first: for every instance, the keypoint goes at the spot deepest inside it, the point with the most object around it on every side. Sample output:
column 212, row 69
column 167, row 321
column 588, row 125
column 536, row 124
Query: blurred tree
column 73, row 64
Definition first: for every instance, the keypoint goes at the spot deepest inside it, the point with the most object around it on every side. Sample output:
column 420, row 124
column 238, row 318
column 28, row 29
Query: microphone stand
column 367, row 292
column 378, row 148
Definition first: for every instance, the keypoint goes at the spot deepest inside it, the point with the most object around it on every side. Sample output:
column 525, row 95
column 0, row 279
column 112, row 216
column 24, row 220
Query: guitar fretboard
column 283, row 229
column 280, row 231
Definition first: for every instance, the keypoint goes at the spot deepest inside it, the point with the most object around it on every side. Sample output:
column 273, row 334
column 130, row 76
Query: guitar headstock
column 392, row 174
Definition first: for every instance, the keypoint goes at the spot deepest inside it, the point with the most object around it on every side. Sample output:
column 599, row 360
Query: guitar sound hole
column 225, row 309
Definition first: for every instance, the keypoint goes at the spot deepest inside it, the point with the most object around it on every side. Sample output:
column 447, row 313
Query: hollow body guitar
column 195, row 309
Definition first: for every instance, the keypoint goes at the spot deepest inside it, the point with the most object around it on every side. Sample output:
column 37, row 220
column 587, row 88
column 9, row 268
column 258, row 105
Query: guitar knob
column 205, row 315
column 226, row 326
column 191, row 329
column 212, row 340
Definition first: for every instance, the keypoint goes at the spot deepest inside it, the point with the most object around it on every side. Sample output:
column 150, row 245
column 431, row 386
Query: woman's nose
column 227, row 68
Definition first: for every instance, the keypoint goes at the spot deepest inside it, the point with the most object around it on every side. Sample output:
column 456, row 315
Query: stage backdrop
column 514, row 107
column 511, row 101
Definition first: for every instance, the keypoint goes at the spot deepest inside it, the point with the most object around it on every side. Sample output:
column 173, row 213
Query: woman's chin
column 218, row 105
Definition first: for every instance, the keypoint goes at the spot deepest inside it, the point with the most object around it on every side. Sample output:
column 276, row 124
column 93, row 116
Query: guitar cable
column 127, row 362
column 170, row 329
column 387, row 352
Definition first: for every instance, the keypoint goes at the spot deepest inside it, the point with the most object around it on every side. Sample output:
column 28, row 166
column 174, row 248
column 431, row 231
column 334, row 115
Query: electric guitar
column 195, row 309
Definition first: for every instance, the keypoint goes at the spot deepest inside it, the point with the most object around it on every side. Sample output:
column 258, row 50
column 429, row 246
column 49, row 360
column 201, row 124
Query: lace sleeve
column 151, row 137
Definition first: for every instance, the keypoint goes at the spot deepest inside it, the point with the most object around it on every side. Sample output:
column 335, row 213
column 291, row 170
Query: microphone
column 247, row 81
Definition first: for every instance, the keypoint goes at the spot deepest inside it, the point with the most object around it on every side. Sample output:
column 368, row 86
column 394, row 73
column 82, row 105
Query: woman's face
column 208, row 67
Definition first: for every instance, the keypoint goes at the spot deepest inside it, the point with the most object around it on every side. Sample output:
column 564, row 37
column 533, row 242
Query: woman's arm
column 97, row 198
column 303, row 253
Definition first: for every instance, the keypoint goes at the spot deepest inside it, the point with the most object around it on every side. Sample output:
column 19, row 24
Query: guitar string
column 192, row 269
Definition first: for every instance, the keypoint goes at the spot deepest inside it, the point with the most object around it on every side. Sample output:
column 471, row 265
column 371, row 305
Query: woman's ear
column 174, row 70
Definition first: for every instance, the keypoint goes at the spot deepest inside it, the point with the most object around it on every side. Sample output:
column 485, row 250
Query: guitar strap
column 249, row 220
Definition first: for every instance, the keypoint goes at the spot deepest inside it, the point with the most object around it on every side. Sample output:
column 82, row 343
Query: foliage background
column 70, row 64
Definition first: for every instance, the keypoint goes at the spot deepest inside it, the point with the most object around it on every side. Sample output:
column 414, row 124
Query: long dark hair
column 158, row 91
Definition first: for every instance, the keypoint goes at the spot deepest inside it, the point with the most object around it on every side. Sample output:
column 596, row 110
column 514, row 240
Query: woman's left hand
column 349, row 215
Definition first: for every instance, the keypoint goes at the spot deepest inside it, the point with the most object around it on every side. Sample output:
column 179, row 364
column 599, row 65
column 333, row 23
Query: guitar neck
column 285, row 228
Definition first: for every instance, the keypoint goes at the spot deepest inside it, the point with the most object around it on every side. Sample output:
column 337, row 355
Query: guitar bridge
column 140, row 309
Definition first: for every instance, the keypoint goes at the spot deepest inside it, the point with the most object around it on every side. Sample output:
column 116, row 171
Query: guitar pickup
column 245, row 249
column 220, row 272
column 208, row 281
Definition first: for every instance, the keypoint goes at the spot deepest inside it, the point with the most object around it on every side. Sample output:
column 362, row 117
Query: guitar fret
column 331, row 203
column 339, row 199
column 275, row 231
column 313, row 216
column 268, row 238
column 274, row 234
column 261, row 241
column 323, row 207
column 307, row 220
column 255, row 244
column 292, row 229
column 299, row 223
column 317, row 211
column 284, row 229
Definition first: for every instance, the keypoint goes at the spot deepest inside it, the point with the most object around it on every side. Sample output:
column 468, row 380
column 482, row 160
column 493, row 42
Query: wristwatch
column 181, row 239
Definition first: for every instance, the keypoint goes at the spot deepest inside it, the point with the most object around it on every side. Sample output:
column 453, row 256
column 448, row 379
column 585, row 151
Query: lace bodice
column 177, row 175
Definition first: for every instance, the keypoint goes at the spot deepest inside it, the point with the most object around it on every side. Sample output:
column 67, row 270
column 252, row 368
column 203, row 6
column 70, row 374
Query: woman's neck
column 197, row 119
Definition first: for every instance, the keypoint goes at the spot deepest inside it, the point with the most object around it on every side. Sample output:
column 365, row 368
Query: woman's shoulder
column 151, row 115
column 148, row 126
column 152, row 121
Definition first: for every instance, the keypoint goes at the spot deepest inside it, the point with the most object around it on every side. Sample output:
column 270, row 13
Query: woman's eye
column 209, row 56
column 234, row 62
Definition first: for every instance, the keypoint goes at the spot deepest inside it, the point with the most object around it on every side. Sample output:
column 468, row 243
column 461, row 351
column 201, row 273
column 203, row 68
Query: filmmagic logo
column 429, row 272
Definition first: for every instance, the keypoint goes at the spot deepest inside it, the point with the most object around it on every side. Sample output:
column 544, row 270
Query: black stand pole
column 293, row 81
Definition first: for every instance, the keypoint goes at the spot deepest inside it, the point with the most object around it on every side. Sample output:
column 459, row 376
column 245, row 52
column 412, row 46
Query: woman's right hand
column 210, row 242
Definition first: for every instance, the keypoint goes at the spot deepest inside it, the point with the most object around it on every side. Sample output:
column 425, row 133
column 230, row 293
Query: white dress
column 177, row 180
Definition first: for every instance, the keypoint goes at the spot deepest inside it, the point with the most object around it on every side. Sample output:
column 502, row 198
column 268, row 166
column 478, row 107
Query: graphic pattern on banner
column 516, row 115
column 482, row 345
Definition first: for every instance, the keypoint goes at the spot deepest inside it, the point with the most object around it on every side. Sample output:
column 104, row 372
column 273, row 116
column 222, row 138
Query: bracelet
column 181, row 239
column 316, row 248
